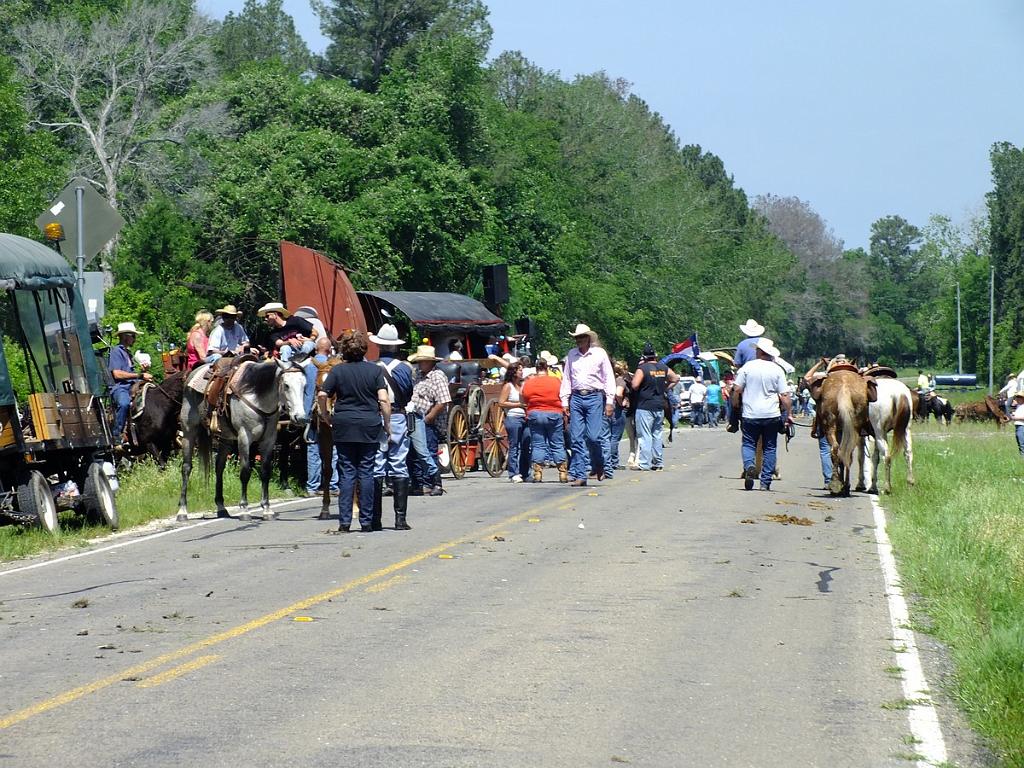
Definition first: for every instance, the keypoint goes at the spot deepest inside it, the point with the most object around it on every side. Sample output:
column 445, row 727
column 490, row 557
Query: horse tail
column 850, row 433
column 901, row 423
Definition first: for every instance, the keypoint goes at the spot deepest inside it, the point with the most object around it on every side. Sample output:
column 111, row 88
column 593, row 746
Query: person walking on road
column 617, row 422
column 510, row 401
column 427, row 412
column 546, row 420
column 588, row 393
column 392, row 463
column 314, row 469
column 361, row 409
column 824, row 449
column 746, row 349
column 766, row 406
column 650, row 383
column 698, row 395
column 712, row 404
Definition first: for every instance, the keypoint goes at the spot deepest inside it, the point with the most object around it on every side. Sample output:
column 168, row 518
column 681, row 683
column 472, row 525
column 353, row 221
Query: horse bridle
column 267, row 414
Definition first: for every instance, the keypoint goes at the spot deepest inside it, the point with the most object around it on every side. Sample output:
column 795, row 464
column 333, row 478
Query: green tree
column 1006, row 221
column 261, row 32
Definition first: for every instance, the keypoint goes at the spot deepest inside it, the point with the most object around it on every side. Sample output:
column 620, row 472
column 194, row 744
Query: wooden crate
column 80, row 418
column 7, row 426
column 46, row 418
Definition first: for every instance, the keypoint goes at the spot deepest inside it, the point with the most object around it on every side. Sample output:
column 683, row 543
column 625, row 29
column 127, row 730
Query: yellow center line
column 381, row 586
column 176, row 672
column 140, row 670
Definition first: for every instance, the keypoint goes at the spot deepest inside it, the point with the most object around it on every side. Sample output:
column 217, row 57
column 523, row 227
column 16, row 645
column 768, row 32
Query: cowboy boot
column 563, row 472
column 401, row 486
column 538, row 473
column 435, row 482
column 378, row 500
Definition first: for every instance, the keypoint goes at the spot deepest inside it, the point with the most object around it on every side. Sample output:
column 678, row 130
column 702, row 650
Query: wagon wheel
column 495, row 441
column 35, row 497
column 98, row 499
column 475, row 407
column 458, row 441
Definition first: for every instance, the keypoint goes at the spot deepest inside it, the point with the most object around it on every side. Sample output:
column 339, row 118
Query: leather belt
column 586, row 391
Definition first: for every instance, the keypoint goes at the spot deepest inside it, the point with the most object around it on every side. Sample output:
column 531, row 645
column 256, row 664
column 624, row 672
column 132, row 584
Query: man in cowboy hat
column 289, row 335
column 309, row 313
column 426, row 408
column 762, row 389
column 228, row 337
column 745, row 350
column 393, row 461
column 588, row 394
column 122, row 370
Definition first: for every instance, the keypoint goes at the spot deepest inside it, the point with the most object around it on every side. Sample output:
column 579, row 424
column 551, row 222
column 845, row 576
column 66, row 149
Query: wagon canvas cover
column 438, row 312
column 27, row 264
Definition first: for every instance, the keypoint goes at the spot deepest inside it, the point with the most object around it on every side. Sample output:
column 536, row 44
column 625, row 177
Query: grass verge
column 959, row 540
column 146, row 494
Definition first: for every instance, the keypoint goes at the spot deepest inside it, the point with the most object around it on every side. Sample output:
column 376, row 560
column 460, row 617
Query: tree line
column 410, row 159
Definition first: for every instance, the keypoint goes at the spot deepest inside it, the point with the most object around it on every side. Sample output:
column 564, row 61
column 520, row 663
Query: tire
column 98, row 499
column 35, row 497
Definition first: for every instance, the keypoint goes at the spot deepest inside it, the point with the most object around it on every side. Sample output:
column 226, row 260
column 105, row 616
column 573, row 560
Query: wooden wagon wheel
column 458, row 441
column 494, row 439
column 475, row 406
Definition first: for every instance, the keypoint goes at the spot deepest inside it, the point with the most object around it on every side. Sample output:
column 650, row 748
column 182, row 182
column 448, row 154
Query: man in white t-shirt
column 698, row 393
column 761, row 386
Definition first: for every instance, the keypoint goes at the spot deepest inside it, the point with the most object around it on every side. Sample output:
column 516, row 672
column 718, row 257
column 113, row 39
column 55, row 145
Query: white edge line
column 129, row 542
column 924, row 720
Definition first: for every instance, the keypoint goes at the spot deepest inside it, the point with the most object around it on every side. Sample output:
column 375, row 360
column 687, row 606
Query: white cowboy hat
column 274, row 306
column 1018, row 393
column 752, row 328
column 127, row 328
column 548, row 357
column 768, row 347
column 423, row 352
column 228, row 309
column 509, row 358
column 306, row 312
column 387, row 336
column 583, row 330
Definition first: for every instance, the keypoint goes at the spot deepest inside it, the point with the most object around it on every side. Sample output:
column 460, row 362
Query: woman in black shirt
column 361, row 409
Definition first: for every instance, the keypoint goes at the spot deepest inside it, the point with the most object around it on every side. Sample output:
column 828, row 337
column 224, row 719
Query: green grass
column 146, row 494
column 959, row 539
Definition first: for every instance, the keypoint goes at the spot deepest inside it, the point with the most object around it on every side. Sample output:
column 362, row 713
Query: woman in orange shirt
column 546, row 418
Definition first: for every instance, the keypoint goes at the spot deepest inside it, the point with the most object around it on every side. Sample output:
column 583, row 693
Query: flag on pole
column 689, row 348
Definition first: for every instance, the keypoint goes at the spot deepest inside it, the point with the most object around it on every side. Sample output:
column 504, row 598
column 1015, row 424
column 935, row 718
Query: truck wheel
column 98, row 499
column 35, row 497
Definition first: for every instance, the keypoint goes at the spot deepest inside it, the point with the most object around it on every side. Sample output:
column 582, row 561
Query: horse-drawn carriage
column 55, row 440
column 476, row 436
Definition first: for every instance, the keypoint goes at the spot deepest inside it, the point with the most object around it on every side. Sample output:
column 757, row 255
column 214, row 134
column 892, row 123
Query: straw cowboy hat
column 127, row 328
column 752, row 328
column 583, row 330
column 1018, row 395
column 768, row 347
column 228, row 309
column 423, row 352
column 548, row 357
column 274, row 306
column 387, row 336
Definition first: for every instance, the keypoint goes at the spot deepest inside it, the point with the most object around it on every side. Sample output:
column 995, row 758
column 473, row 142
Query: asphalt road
column 655, row 620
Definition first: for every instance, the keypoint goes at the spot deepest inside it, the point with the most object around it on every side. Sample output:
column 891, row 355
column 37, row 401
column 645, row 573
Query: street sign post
column 88, row 220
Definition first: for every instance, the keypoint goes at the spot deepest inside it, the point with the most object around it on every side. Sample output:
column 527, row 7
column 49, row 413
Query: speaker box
column 526, row 327
column 496, row 284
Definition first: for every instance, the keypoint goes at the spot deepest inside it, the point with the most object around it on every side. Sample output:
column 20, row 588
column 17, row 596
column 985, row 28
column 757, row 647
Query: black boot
column 378, row 500
column 435, row 482
column 401, row 486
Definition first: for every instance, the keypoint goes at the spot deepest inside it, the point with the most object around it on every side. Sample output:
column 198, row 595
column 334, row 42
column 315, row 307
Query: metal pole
column 80, row 248
column 991, row 322
column 959, row 345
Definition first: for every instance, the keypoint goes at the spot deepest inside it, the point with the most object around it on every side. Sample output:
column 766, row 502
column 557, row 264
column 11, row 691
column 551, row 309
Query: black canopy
column 435, row 312
column 27, row 264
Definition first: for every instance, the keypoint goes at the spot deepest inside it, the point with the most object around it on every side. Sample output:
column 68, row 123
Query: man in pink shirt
column 588, row 394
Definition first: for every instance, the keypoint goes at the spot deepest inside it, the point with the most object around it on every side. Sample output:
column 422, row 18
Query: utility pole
column 959, row 344
column 991, row 322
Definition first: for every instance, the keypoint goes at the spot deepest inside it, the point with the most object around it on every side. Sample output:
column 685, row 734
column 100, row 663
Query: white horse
column 891, row 412
column 258, row 393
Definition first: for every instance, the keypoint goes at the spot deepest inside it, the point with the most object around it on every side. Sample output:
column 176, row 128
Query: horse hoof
column 324, row 515
column 223, row 513
column 245, row 517
column 835, row 487
column 181, row 518
column 270, row 515
column 861, row 488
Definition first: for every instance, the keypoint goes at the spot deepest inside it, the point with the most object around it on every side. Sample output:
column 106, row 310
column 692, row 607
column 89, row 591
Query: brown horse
column 153, row 424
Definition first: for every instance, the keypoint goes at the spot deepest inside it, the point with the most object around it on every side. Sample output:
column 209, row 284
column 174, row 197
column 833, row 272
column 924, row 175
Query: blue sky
column 861, row 107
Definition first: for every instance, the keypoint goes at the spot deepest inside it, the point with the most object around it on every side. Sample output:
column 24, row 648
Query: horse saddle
column 880, row 372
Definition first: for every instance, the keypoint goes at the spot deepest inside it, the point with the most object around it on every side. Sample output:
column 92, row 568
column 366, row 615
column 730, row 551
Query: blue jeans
column 547, row 437
column 586, row 433
column 121, row 395
column 826, row 456
column 673, row 401
column 753, row 430
column 515, row 427
column 355, row 465
column 712, row 409
column 394, row 462
column 287, row 352
column 728, row 410
column 616, row 426
column 1020, row 438
column 696, row 414
column 649, row 425
column 423, row 441
column 314, row 469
